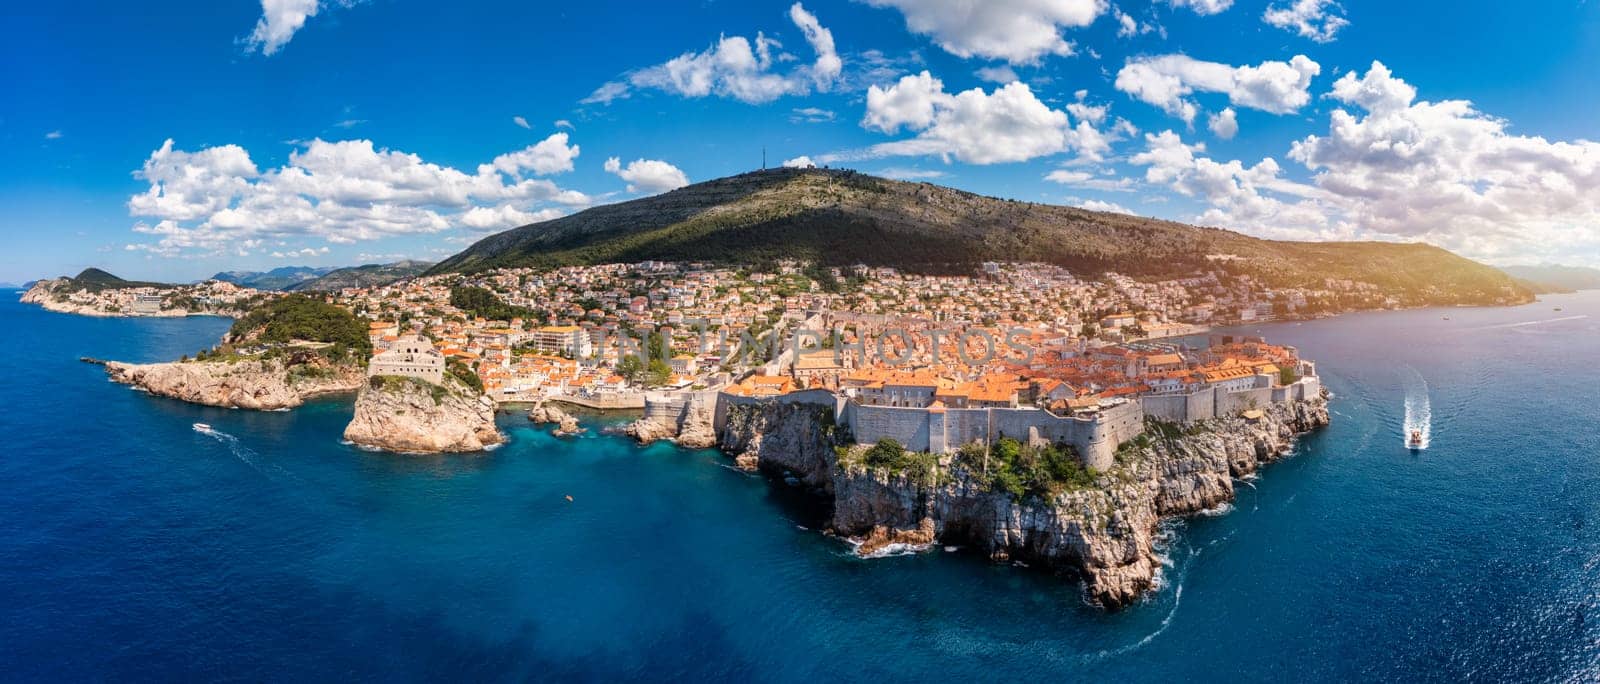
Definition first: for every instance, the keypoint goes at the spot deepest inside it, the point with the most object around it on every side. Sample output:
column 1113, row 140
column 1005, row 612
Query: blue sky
column 341, row 132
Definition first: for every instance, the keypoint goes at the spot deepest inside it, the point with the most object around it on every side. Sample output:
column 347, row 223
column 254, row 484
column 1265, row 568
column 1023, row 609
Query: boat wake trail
column 1419, row 411
column 1525, row 324
column 245, row 454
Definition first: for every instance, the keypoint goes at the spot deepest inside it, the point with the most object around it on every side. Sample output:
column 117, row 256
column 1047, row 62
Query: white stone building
column 410, row 356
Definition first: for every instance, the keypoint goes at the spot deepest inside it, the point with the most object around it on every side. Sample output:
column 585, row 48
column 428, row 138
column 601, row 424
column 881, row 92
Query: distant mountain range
column 369, row 275
column 282, row 278
column 842, row 217
column 1554, row 278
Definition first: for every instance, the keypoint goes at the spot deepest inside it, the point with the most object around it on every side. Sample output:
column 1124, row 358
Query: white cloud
column 347, row 191
column 1128, row 27
column 902, row 173
column 1017, row 31
column 521, row 122
column 1203, row 7
column 1314, row 19
column 800, row 162
column 300, row 253
column 1396, row 168
column 1008, row 125
column 811, row 115
column 563, row 123
column 1224, row 124
column 738, row 68
column 1168, row 81
column 281, row 19
column 505, row 216
column 997, row 74
column 548, row 156
column 1105, row 181
column 1450, row 174
column 1111, row 207
column 648, row 175
column 1255, row 199
column 53, row 135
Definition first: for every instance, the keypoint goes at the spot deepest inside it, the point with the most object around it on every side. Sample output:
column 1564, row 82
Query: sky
column 172, row 140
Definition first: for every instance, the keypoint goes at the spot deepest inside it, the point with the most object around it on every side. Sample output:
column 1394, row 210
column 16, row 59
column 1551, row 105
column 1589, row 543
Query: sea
column 134, row 547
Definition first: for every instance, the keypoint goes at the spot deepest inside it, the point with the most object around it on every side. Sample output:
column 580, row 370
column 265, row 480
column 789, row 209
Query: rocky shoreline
column 1104, row 534
column 407, row 415
column 262, row 385
column 545, row 414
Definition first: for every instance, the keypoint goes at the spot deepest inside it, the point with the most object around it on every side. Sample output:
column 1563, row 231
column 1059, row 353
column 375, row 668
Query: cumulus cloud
column 1256, row 199
column 1128, row 27
column 1203, row 7
column 737, row 68
column 1017, row 31
column 1392, row 167
column 342, row 192
column 1318, row 20
column 648, row 175
column 1009, row 124
column 53, row 135
column 548, row 156
column 1168, row 81
column 800, row 162
column 506, row 216
column 1224, row 124
column 1111, row 207
column 281, row 19
column 1450, row 174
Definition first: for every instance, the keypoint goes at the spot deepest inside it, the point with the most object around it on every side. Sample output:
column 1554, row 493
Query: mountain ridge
column 842, row 217
column 365, row 275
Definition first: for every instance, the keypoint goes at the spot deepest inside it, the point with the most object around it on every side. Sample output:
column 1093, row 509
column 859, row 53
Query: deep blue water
column 132, row 547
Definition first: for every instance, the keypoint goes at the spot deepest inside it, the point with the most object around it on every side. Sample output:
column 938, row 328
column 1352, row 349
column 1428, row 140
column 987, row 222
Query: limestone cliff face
column 691, row 428
column 1104, row 534
column 796, row 437
column 413, row 416
column 259, row 385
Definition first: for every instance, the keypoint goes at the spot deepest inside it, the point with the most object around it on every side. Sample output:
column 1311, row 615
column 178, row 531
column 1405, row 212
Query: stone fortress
column 411, row 356
column 1095, row 430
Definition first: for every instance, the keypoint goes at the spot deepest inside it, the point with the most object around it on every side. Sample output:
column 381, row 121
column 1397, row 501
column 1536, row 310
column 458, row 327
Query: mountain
column 1555, row 278
column 369, row 275
column 281, row 278
column 843, row 217
column 96, row 280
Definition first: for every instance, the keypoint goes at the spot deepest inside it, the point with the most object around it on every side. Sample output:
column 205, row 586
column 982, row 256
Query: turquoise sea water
column 132, row 547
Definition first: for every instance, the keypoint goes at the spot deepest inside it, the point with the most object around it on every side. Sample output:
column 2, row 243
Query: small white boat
column 202, row 427
column 1415, row 442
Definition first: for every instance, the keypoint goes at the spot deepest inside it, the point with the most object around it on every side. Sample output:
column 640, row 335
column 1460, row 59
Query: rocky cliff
column 407, row 415
column 688, row 424
column 776, row 437
column 1104, row 534
column 260, row 385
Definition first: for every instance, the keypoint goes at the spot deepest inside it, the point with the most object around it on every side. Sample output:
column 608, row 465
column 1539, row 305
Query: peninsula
column 1033, row 382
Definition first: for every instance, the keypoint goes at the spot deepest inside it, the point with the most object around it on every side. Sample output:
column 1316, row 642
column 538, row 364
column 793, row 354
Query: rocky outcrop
column 263, row 385
column 407, row 415
column 1104, row 534
column 685, row 419
column 776, row 437
column 544, row 414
